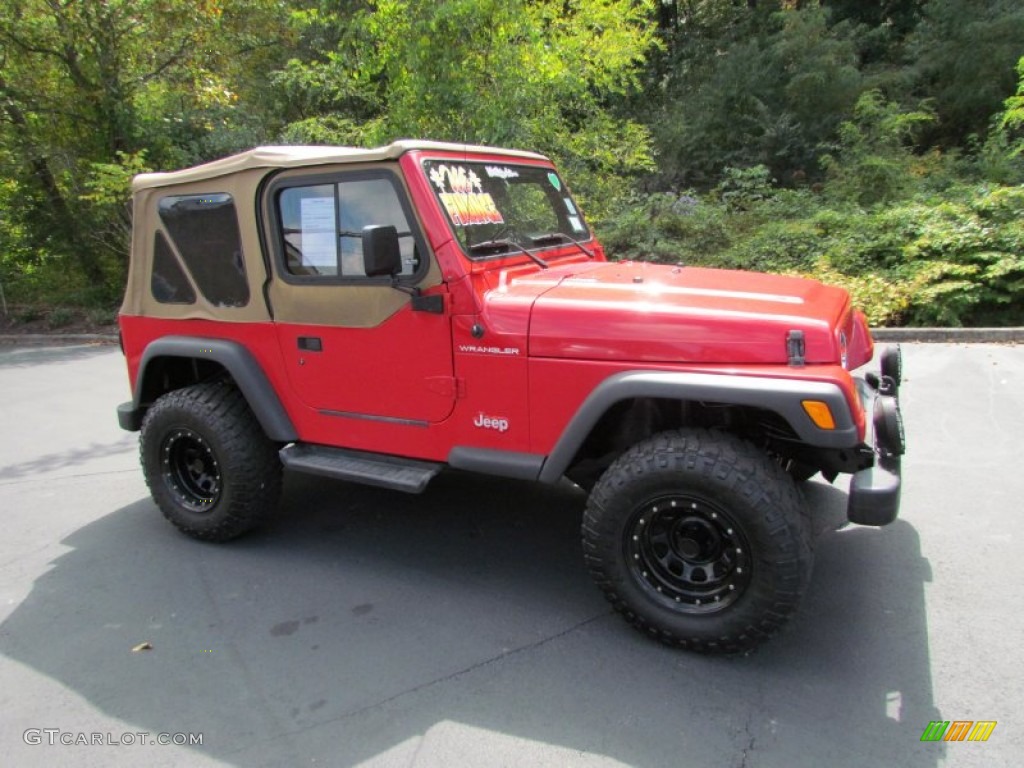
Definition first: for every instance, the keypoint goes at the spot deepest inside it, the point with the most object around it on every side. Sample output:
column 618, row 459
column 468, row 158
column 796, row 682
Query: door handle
column 310, row 344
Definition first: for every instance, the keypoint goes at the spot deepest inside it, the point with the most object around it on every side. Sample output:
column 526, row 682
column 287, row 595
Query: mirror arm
column 434, row 304
column 412, row 290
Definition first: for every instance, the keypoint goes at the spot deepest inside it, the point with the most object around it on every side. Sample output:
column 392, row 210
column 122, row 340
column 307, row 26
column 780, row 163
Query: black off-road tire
column 209, row 466
column 699, row 540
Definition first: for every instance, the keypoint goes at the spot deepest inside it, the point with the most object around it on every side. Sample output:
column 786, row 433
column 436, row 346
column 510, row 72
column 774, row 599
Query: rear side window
column 169, row 284
column 321, row 224
column 204, row 229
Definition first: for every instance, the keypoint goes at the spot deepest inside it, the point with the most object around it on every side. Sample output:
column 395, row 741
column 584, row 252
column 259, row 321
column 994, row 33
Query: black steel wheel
column 191, row 472
column 699, row 539
column 211, row 469
column 689, row 553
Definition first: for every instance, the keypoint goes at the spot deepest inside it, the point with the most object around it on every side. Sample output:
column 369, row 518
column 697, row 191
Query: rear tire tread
column 249, row 461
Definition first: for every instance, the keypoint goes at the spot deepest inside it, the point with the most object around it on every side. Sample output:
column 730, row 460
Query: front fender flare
column 783, row 396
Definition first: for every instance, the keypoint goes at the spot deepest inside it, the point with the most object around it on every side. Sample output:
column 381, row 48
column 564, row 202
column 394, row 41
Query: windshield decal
column 496, row 172
column 498, row 209
column 463, row 197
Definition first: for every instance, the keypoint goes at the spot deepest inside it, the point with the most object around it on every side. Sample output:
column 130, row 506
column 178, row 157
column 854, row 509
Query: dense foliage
column 878, row 144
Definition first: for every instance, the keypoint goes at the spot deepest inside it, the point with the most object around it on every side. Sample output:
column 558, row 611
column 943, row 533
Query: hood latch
column 795, row 348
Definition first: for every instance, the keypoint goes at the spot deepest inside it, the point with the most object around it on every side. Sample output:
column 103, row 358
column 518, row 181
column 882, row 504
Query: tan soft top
column 291, row 156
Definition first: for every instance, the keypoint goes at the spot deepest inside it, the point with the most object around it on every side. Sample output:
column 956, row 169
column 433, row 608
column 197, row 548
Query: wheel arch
column 628, row 389
column 173, row 362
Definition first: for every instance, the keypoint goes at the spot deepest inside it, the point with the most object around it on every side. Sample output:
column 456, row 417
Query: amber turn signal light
column 819, row 413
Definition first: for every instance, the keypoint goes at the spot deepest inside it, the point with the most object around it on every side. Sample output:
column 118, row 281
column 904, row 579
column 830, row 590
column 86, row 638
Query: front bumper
column 875, row 492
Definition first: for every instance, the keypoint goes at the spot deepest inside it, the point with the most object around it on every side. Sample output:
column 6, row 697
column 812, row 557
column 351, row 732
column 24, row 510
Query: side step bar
column 392, row 472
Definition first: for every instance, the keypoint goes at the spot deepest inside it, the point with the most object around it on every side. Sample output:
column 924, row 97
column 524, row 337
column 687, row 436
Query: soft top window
column 168, row 282
column 204, row 229
column 498, row 208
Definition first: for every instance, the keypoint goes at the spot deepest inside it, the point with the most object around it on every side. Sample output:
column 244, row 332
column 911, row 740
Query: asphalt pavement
column 460, row 628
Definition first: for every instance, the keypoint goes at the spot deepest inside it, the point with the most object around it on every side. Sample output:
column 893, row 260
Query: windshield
column 499, row 208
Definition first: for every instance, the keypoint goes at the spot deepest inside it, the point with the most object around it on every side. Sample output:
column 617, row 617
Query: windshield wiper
column 558, row 237
column 496, row 245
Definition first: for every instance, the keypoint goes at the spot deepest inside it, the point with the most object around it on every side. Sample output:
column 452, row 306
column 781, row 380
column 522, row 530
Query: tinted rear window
column 168, row 283
column 205, row 231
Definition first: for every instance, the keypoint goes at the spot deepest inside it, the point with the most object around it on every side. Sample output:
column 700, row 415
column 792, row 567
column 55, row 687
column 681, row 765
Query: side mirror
column 381, row 254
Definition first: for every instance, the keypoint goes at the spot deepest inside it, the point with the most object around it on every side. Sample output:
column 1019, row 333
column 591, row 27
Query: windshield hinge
column 432, row 303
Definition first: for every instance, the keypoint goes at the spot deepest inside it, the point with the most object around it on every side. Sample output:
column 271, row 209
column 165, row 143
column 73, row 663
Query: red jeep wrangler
column 377, row 315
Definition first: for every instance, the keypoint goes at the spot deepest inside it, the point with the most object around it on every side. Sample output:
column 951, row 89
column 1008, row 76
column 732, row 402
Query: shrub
column 27, row 315
column 101, row 316
column 952, row 259
column 59, row 317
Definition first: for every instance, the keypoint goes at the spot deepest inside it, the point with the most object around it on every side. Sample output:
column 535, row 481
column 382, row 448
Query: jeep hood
column 630, row 311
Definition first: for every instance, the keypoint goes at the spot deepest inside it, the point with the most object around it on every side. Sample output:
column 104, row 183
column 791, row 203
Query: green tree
column 1012, row 119
column 83, row 83
column 539, row 74
column 327, row 90
column 767, row 96
column 962, row 57
column 873, row 159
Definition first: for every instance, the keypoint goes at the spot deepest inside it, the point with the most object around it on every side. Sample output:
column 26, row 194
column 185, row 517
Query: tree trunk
column 60, row 211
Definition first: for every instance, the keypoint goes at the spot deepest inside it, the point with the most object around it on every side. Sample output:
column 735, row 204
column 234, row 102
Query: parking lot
column 460, row 628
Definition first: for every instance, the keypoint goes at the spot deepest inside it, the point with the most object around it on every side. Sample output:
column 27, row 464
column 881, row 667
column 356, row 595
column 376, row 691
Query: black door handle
column 310, row 343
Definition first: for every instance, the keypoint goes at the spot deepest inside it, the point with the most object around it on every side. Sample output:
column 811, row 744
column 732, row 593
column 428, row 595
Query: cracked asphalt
column 459, row 628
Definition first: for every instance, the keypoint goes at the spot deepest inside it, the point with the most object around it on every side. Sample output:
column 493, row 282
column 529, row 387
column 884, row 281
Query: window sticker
column 576, row 224
column 318, row 245
column 570, row 207
column 463, row 197
column 555, row 181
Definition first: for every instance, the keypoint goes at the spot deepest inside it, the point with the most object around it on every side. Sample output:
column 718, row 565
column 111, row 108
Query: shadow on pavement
column 364, row 619
column 70, row 458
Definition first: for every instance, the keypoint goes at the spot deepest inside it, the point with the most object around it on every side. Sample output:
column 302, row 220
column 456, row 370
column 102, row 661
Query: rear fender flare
column 239, row 363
